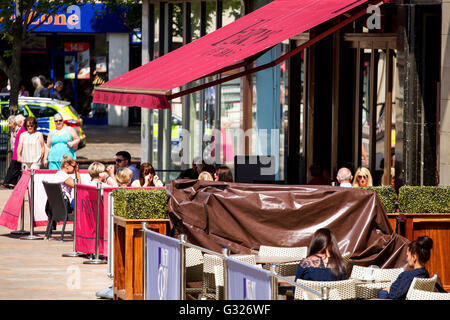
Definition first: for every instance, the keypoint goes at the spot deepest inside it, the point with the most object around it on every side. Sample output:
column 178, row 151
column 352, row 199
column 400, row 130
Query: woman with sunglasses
column 147, row 177
column 31, row 148
column 363, row 178
column 61, row 141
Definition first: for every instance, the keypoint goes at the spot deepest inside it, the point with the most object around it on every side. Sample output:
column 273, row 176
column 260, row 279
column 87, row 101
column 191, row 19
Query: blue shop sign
column 82, row 19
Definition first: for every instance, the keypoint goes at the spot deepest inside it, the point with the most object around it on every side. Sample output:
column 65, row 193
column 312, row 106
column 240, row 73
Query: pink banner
column 11, row 212
column 87, row 221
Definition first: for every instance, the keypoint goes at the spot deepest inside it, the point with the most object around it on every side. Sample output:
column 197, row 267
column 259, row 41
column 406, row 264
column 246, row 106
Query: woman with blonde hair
column 363, row 178
column 123, row 177
column 205, row 175
column 98, row 174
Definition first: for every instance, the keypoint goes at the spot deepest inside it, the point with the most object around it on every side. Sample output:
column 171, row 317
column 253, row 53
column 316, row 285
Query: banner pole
column 96, row 260
column 182, row 267
column 74, row 253
column 226, row 254
column 274, row 282
column 31, row 200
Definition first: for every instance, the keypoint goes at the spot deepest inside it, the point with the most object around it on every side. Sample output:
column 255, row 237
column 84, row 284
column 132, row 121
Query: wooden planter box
column 437, row 227
column 128, row 262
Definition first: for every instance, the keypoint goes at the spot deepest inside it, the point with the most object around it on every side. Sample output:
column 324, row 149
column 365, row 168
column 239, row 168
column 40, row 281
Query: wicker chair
column 422, row 284
column 366, row 273
column 339, row 290
column 416, row 294
column 194, row 269
column 209, row 273
column 285, row 269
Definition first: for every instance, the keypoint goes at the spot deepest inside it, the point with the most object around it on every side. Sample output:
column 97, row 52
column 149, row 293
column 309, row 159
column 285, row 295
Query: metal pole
column 225, row 252
column 144, row 261
column 31, row 200
column 110, row 272
column 182, row 267
column 74, row 253
column 274, row 282
column 96, row 260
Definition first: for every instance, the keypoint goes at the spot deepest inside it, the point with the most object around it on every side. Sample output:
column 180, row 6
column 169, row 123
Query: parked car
column 43, row 109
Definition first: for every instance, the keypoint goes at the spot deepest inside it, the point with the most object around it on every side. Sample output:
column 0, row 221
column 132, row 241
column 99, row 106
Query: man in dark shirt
column 58, row 89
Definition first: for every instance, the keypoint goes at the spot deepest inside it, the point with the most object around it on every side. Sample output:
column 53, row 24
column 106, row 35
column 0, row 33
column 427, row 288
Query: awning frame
column 271, row 64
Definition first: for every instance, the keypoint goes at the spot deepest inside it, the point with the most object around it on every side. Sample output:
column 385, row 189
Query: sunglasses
column 56, row 121
column 119, row 160
column 362, row 177
column 30, row 126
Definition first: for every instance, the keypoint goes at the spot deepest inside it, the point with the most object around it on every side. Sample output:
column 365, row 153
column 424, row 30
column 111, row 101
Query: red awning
column 150, row 85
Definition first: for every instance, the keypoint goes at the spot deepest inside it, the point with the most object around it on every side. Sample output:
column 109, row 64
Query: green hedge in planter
column 424, row 199
column 387, row 196
column 141, row 203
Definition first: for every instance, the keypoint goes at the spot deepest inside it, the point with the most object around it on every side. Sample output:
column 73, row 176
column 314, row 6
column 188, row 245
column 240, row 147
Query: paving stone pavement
column 35, row 269
column 104, row 142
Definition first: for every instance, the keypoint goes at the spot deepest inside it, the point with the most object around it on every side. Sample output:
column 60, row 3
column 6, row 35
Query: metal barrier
column 74, row 253
column 96, row 259
column 225, row 257
column 110, row 269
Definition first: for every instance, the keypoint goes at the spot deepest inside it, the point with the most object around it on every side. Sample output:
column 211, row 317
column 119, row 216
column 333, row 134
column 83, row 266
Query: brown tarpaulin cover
column 242, row 217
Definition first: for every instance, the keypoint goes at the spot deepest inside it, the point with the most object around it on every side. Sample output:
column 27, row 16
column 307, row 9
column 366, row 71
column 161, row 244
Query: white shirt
column 346, row 185
column 59, row 177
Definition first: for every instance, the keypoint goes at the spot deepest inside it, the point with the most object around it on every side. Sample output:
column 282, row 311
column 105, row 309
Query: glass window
column 232, row 10
column 42, row 111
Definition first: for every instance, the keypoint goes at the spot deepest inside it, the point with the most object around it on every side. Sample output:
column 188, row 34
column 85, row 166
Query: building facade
column 373, row 93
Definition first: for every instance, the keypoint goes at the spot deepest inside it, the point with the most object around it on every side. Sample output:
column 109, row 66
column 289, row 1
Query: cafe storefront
column 344, row 96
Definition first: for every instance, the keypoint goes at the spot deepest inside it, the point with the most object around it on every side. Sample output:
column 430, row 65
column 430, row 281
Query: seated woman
column 98, row 174
column 223, row 173
column 147, row 177
column 123, row 177
column 206, row 176
column 64, row 176
column 417, row 255
column 363, row 178
column 324, row 261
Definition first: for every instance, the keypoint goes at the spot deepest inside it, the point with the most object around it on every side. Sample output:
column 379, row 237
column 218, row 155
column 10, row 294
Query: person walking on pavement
column 31, row 147
column 37, row 86
column 57, row 93
column 61, row 141
column 14, row 169
column 344, row 177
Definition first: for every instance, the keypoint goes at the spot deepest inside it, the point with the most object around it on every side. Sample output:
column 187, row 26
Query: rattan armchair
column 375, row 274
column 422, row 284
column 194, row 269
column 417, row 294
column 338, row 290
column 285, row 269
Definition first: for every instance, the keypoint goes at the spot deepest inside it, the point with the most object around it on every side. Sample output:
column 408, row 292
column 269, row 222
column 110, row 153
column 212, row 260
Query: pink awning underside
column 255, row 32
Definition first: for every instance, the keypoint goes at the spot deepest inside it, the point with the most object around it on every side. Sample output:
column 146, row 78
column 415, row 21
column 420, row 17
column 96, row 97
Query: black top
column 188, row 174
column 400, row 287
column 313, row 268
